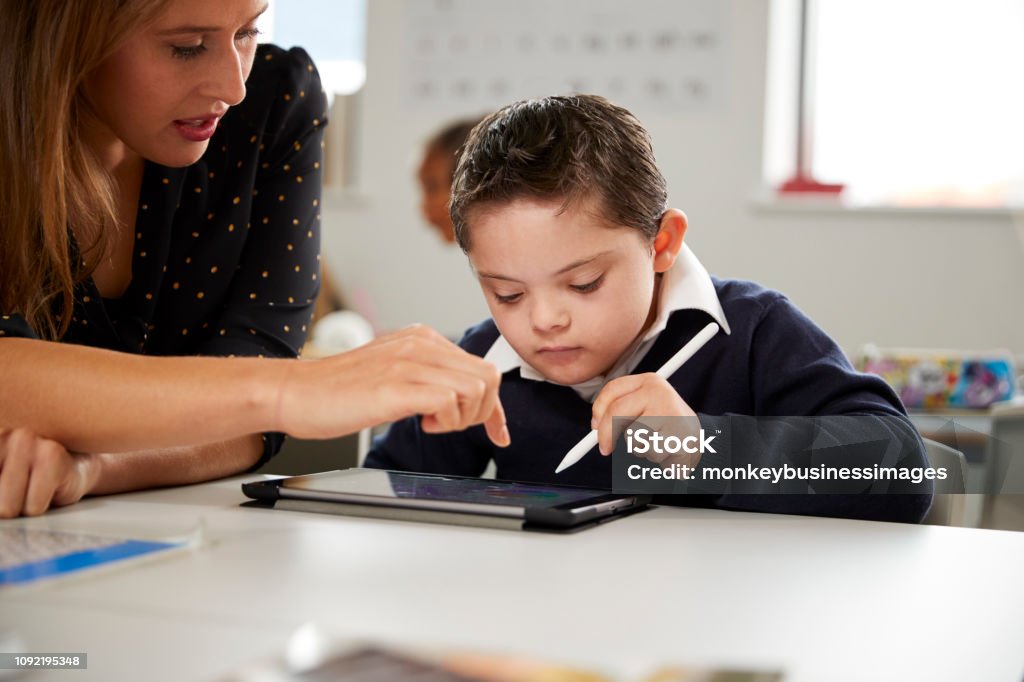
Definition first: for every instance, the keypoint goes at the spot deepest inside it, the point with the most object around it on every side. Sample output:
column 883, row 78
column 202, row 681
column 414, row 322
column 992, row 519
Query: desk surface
column 823, row 599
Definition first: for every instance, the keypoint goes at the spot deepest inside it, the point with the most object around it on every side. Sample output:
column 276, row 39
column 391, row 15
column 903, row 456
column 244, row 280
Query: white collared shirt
column 685, row 286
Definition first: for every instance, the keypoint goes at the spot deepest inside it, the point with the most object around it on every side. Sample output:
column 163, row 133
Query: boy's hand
column 639, row 396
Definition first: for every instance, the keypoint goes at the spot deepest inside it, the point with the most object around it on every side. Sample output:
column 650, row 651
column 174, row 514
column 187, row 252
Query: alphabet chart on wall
column 474, row 55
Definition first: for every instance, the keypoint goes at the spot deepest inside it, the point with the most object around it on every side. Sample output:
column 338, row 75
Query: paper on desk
column 29, row 555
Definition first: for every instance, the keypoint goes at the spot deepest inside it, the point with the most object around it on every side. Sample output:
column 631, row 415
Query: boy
column 560, row 207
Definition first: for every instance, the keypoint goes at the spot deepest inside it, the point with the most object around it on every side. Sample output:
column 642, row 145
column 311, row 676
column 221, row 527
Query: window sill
column 768, row 203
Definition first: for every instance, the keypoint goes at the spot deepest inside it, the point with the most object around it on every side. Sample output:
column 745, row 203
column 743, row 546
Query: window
column 914, row 102
column 332, row 31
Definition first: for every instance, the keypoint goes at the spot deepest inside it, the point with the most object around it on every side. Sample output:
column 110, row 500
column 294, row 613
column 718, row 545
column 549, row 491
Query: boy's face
column 569, row 293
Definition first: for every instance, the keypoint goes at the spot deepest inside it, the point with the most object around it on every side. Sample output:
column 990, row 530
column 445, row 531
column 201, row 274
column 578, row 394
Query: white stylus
column 667, row 370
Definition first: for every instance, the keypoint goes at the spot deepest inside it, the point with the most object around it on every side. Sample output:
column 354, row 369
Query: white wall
column 939, row 279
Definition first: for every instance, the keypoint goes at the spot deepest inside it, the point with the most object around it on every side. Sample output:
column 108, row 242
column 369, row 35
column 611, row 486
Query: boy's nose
column 548, row 316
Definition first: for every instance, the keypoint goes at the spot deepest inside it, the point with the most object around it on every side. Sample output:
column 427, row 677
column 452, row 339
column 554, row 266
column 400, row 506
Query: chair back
column 948, row 503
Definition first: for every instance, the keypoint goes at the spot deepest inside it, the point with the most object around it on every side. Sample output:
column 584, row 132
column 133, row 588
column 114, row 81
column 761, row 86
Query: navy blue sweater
column 776, row 362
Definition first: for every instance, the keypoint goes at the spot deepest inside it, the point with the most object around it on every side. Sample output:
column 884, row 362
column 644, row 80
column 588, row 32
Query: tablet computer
column 444, row 499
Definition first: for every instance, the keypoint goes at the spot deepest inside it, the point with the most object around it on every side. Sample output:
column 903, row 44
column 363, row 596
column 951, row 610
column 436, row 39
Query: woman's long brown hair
column 51, row 182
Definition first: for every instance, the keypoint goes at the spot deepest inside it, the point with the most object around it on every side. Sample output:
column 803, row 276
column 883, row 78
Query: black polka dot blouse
column 226, row 257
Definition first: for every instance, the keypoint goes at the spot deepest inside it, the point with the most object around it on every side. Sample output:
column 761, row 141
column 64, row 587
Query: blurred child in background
column 435, row 173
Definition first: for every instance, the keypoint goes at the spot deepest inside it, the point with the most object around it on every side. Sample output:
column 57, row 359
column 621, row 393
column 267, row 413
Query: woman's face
column 164, row 91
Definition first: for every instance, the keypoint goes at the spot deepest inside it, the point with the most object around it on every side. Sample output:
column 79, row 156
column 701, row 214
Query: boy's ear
column 669, row 239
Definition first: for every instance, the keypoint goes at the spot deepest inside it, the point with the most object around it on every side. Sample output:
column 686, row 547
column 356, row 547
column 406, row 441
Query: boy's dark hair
column 563, row 147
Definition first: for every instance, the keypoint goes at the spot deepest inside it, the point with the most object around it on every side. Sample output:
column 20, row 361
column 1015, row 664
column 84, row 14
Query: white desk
column 823, row 599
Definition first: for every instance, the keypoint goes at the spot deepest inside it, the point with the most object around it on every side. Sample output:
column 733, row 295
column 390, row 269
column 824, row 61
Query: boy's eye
column 511, row 298
column 589, row 286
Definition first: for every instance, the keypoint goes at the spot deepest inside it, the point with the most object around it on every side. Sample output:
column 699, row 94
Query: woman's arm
column 124, row 471
column 38, row 473
column 166, row 421
column 93, row 400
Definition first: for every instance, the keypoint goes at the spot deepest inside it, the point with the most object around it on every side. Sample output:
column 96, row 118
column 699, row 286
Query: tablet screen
column 390, row 484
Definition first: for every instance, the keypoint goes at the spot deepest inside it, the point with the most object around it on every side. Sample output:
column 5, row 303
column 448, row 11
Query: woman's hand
column 645, row 397
column 412, row 371
column 37, row 473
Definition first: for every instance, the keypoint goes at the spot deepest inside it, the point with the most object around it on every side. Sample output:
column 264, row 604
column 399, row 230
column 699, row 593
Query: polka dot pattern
column 202, row 285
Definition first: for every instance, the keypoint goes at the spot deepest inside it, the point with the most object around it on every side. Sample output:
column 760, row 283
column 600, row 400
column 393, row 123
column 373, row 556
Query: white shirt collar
column 685, row 286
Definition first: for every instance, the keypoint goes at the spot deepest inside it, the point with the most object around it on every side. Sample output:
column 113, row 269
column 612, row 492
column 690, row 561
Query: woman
column 151, row 212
